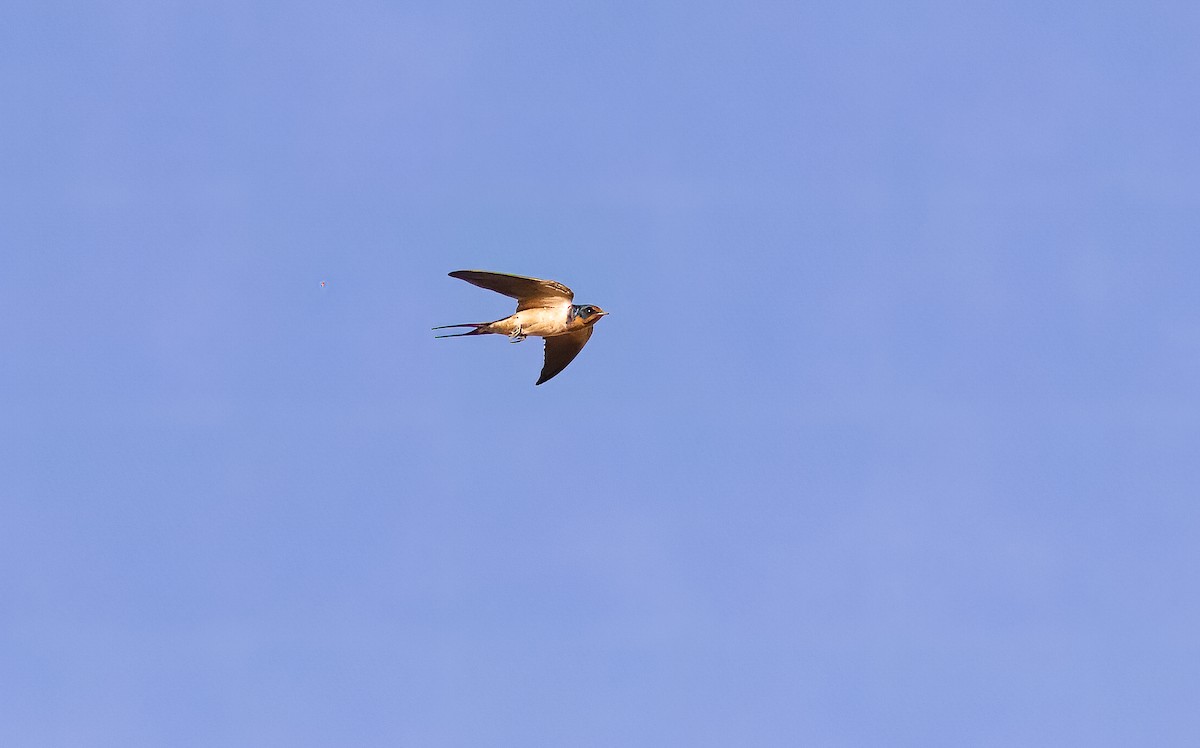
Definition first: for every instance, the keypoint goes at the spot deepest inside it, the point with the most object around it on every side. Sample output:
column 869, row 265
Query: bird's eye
column 589, row 310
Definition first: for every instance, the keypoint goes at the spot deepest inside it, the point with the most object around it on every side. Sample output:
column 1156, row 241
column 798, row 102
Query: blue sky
column 891, row 437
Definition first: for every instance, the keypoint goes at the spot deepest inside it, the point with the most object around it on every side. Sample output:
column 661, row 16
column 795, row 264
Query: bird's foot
column 516, row 336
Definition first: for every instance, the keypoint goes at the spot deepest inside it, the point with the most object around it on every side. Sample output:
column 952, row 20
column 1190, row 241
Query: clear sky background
column 891, row 438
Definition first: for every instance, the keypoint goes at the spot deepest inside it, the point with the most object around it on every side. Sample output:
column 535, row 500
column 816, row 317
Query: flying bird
column 544, row 310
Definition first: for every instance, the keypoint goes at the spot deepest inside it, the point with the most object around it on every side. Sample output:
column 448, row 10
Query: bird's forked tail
column 480, row 329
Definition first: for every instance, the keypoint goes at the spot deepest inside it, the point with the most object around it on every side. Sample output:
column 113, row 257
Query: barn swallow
column 544, row 310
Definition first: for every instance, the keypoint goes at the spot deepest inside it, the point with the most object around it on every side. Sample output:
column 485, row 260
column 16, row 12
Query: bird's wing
column 530, row 293
column 562, row 350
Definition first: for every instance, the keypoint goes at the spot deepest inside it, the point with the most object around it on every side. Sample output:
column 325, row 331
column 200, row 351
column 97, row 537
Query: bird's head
column 589, row 314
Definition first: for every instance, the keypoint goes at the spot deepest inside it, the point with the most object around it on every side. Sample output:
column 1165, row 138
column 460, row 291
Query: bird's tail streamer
column 479, row 329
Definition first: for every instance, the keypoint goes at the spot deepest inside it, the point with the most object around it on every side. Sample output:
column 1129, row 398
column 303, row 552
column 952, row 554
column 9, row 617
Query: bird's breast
column 545, row 322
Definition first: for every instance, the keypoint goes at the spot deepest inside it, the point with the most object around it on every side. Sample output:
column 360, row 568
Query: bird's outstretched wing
column 530, row 293
column 562, row 350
